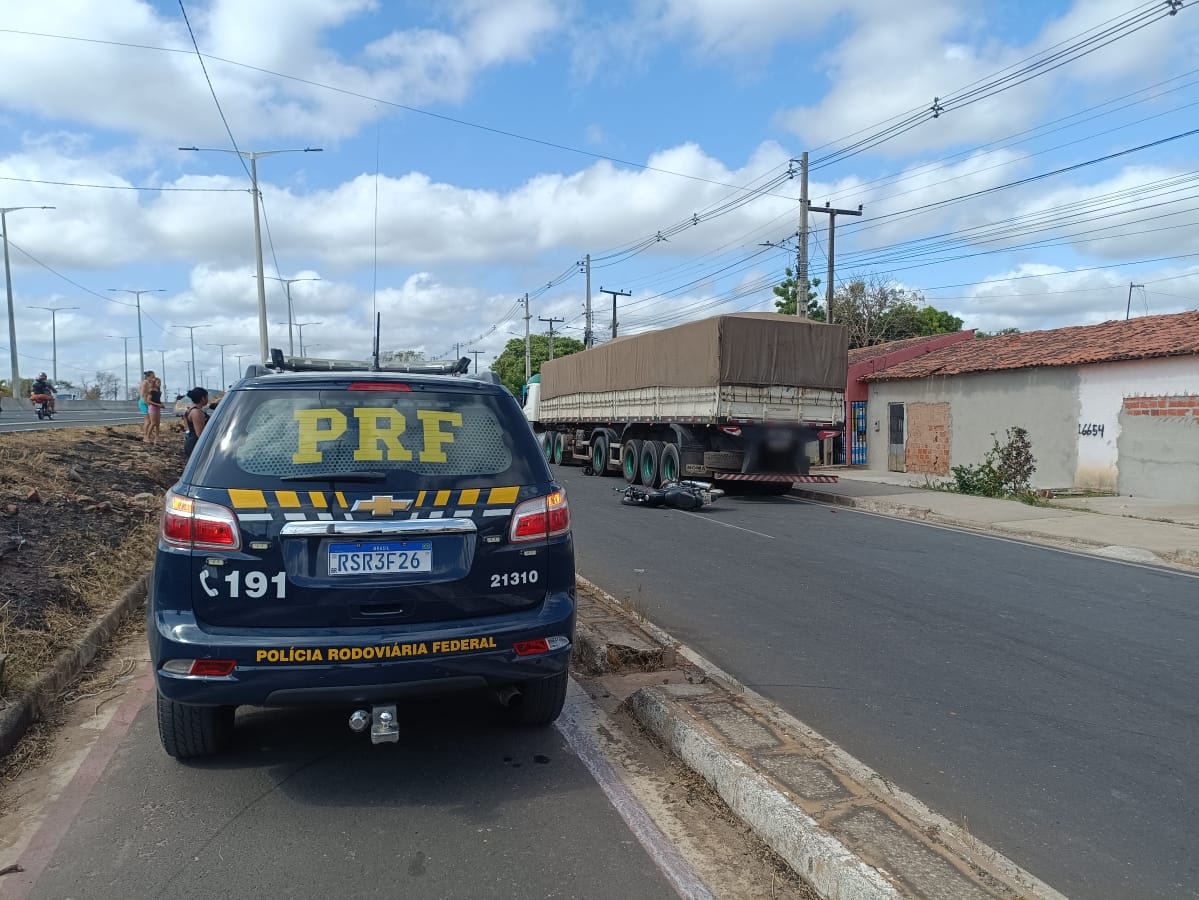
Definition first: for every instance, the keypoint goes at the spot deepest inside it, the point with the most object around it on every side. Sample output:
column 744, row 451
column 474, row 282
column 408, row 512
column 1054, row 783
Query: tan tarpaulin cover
column 755, row 349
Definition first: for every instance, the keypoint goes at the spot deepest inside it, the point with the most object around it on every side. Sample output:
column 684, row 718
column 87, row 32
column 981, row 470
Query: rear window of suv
column 414, row 439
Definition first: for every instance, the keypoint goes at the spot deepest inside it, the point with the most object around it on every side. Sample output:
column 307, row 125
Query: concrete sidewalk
column 1138, row 530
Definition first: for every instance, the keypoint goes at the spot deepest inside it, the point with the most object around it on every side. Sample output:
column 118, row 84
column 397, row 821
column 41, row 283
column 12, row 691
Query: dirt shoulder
column 79, row 512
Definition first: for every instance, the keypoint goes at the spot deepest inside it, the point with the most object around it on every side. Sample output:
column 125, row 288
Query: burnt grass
column 79, row 511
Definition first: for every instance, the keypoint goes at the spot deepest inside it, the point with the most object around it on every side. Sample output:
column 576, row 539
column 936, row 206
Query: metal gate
column 896, row 457
column 857, row 433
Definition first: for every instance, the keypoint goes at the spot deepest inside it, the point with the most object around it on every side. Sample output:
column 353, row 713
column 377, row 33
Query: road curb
column 832, row 869
column 33, row 703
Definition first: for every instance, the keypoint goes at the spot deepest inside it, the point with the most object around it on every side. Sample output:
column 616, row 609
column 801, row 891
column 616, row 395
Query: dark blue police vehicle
column 353, row 537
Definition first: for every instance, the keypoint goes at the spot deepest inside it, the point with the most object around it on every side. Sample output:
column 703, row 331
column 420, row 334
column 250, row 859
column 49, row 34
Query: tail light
column 541, row 518
column 199, row 525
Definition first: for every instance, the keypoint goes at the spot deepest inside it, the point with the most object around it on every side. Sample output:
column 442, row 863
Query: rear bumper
column 310, row 667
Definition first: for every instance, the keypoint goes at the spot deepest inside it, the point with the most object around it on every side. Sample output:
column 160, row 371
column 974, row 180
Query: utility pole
column 291, row 319
column 615, row 294
column 528, row 344
column 54, row 311
column 475, row 353
column 802, row 282
column 163, row 373
column 1128, row 311
column 12, row 319
column 239, row 357
column 588, row 333
column 253, row 156
column 224, row 386
column 832, row 236
column 191, row 331
column 137, row 296
column 300, row 328
column 120, row 337
column 551, row 320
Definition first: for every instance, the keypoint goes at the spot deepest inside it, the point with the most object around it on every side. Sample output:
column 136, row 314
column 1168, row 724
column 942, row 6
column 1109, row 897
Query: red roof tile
column 1140, row 338
column 863, row 354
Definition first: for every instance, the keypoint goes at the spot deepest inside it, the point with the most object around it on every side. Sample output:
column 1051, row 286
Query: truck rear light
column 541, row 518
column 199, row 525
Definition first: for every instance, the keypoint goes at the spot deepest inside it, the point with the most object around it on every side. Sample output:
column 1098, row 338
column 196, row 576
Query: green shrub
column 1005, row 471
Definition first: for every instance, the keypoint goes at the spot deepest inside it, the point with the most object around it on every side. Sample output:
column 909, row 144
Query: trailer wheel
column 669, row 464
column 559, row 447
column 630, row 460
column 651, row 459
column 546, row 440
column 599, row 455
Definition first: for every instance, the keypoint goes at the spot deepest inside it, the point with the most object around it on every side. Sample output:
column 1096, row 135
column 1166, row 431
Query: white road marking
column 577, row 726
column 727, row 525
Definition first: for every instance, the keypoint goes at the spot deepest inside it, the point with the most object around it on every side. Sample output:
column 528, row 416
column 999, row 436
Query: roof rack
column 281, row 363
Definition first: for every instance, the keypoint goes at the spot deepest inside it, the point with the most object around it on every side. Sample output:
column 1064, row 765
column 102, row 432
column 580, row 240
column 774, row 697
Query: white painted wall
column 1101, row 391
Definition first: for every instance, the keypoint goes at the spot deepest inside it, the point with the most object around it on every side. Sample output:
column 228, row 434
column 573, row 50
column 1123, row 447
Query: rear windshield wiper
column 338, row 476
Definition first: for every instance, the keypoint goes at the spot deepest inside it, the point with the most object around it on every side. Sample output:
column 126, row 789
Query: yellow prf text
column 380, row 433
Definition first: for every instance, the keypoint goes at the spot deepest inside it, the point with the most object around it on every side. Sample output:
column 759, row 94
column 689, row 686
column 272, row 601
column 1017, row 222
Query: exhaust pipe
column 509, row 695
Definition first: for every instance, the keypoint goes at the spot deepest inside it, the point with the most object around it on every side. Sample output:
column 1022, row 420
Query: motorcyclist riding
column 42, row 390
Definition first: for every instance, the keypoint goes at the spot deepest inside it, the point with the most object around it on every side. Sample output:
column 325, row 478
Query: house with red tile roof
column 1109, row 407
column 865, row 361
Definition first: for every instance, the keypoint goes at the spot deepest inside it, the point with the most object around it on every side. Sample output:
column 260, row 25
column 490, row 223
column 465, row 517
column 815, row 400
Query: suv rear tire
column 541, row 700
column 189, row 732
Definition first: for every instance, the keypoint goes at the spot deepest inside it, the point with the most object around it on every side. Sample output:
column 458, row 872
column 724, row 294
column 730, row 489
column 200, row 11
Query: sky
column 1019, row 163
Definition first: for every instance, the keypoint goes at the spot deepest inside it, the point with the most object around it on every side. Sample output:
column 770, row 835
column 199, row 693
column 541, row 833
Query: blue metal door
column 857, row 433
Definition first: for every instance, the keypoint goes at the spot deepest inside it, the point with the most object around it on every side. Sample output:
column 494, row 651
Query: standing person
column 155, row 404
column 194, row 419
column 143, row 403
column 42, row 390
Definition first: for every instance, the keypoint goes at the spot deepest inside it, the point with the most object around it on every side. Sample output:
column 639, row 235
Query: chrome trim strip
column 370, row 529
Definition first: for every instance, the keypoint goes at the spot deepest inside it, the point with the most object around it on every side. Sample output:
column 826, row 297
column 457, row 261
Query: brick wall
column 1179, row 405
column 927, row 450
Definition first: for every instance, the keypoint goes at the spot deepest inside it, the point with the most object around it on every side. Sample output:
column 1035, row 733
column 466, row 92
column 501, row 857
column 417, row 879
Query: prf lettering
column 380, row 430
column 371, row 653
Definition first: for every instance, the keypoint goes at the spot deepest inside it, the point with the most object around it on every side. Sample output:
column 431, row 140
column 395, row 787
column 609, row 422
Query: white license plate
column 380, row 558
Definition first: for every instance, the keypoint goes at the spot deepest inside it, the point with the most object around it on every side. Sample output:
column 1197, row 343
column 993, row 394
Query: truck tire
column 599, row 455
column 630, row 460
column 559, row 450
column 190, row 732
column 541, row 700
column 546, row 440
column 669, row 464
column 651, row 463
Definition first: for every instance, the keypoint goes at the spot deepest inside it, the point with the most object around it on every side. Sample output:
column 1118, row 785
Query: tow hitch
column 382, row 721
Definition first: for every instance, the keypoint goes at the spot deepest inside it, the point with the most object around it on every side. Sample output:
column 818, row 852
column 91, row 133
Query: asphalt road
column 1047, row 700
column 464, row 806
column 22, row 418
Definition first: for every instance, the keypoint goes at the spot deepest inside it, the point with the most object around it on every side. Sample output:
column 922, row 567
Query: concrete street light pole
column 224, row 386
column 191, row 331
column 137, row 296
column 163, row 374
column 54, row 311
column 253, row 156
column 12, row 319
column 291, row 318
column 121, row 337
column 300, row 329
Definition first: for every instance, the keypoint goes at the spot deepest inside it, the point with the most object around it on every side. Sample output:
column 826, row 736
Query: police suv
column 354, row 536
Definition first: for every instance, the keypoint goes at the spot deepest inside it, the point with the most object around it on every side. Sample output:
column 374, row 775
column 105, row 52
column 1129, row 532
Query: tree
column 107, row 385
column 982, row 335
column 876, row 311
column 510, row 364
column 786, row 297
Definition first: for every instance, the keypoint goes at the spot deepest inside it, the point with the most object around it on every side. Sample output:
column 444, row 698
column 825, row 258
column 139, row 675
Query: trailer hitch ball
column 359, row 719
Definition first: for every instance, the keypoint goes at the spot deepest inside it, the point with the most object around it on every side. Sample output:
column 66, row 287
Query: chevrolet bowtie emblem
column 382, row 506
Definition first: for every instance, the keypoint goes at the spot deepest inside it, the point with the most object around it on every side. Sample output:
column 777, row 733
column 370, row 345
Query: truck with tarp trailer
column 733, row 398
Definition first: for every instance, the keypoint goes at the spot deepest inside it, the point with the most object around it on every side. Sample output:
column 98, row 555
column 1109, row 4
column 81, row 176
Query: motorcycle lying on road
column 685, row 495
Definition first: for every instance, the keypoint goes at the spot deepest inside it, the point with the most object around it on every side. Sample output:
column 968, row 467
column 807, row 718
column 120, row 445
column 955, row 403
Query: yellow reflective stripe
column 243, row 499
column 318, row 499
column 503, row 495
column 420, row 498
column 469, row 497
column 442, row 498
column 288, row 499
column 341, row 500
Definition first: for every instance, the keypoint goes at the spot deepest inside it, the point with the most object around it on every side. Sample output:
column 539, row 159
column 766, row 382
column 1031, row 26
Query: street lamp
column 191, row 332
column 137, row 296
column 163, row 373
column 119, row 337
column 253, row 156
column 300, row 328
column 224, row 386
column 12, row 319
column 287, row 283
column 54, row 311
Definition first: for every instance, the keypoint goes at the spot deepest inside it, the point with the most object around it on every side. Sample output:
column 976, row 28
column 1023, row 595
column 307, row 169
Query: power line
column 123, row 187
